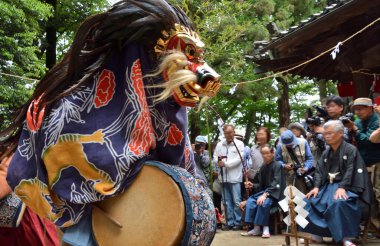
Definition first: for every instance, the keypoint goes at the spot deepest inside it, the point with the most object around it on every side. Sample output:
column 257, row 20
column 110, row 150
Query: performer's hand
column 261, row 199
column 221, row 163
column 242, row 205
column 288, row 166
column 313, row 193
column 340, row 193
column 248, row 185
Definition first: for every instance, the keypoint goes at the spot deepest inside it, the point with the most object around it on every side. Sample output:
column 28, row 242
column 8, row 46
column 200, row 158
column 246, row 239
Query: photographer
column 295, row 157
column 202, row 158
column 362, row 129
column 335, row 111
column 317, row 141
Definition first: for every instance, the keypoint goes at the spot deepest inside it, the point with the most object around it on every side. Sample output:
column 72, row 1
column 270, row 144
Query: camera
column 321, row 111
column 347, row 118
column 297, row 169
column 197, row 146
column 318, row 140
column 221, row 157
column 309, row 182
column 315, row 120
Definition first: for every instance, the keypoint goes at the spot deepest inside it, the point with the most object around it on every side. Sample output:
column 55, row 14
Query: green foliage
column 67, row 17
column 22, row 42
column 19, row 54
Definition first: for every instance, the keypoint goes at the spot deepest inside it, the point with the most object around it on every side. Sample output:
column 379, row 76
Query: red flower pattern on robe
column 175, row 135
column 105, row 88
column 142, row 138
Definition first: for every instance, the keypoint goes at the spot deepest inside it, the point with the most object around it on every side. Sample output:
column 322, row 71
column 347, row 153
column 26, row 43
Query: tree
column 20, row 28
column 229, row 29
column 31, row 31
column 63, row 23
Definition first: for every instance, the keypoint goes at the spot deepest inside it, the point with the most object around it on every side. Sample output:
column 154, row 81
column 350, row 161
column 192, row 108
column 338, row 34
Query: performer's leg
column 236, row 196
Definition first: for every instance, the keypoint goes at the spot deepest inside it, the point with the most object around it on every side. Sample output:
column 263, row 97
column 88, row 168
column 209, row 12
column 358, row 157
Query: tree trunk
column 362, row 84
column 283, row 103
column 322, row 89
column 51, row 38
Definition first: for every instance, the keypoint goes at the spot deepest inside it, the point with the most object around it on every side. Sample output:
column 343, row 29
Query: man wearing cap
column 362, row 129
column 202, row 158
column 296, row 159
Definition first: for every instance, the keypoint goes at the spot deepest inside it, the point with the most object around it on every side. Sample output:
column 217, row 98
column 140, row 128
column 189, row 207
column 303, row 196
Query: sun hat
column 297, row 126
column 362, row 101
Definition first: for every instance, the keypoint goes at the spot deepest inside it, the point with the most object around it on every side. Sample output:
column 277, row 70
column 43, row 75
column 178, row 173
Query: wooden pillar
column 362, row 84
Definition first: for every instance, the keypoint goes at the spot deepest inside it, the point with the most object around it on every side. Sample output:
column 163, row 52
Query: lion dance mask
column 117, row 99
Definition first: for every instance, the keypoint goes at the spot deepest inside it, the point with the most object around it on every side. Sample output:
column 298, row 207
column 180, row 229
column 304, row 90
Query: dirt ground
column 233, row 238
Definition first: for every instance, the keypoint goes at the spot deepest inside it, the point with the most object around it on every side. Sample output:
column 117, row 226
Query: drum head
column 151, row 212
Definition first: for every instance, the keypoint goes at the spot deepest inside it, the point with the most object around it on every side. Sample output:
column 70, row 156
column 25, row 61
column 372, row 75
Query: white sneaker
column 251, row 233
column 348, row 243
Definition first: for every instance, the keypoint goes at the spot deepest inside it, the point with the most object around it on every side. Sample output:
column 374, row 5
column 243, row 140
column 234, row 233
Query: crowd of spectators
column 325, row 157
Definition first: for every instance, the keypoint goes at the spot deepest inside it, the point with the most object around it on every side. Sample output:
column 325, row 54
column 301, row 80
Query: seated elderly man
column 270, row 189
column 341, row 179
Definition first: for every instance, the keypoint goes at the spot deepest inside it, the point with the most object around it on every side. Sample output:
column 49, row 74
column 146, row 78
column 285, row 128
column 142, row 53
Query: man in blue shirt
column 296, row 159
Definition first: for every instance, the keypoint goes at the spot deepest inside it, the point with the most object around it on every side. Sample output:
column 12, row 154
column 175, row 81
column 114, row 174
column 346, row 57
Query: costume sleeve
column 349, row 158
column 278, row 156
column 308, row 157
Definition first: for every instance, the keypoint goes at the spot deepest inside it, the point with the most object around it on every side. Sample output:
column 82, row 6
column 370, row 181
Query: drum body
column 163, row 206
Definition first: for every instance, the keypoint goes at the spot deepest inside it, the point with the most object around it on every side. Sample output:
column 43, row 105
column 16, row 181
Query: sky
column 112, row 1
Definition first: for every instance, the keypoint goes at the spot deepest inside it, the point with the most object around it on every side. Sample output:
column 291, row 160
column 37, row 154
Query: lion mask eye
column 190, row 52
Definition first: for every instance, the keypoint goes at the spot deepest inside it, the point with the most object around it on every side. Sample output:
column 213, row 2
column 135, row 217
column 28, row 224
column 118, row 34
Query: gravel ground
column 233, row 238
